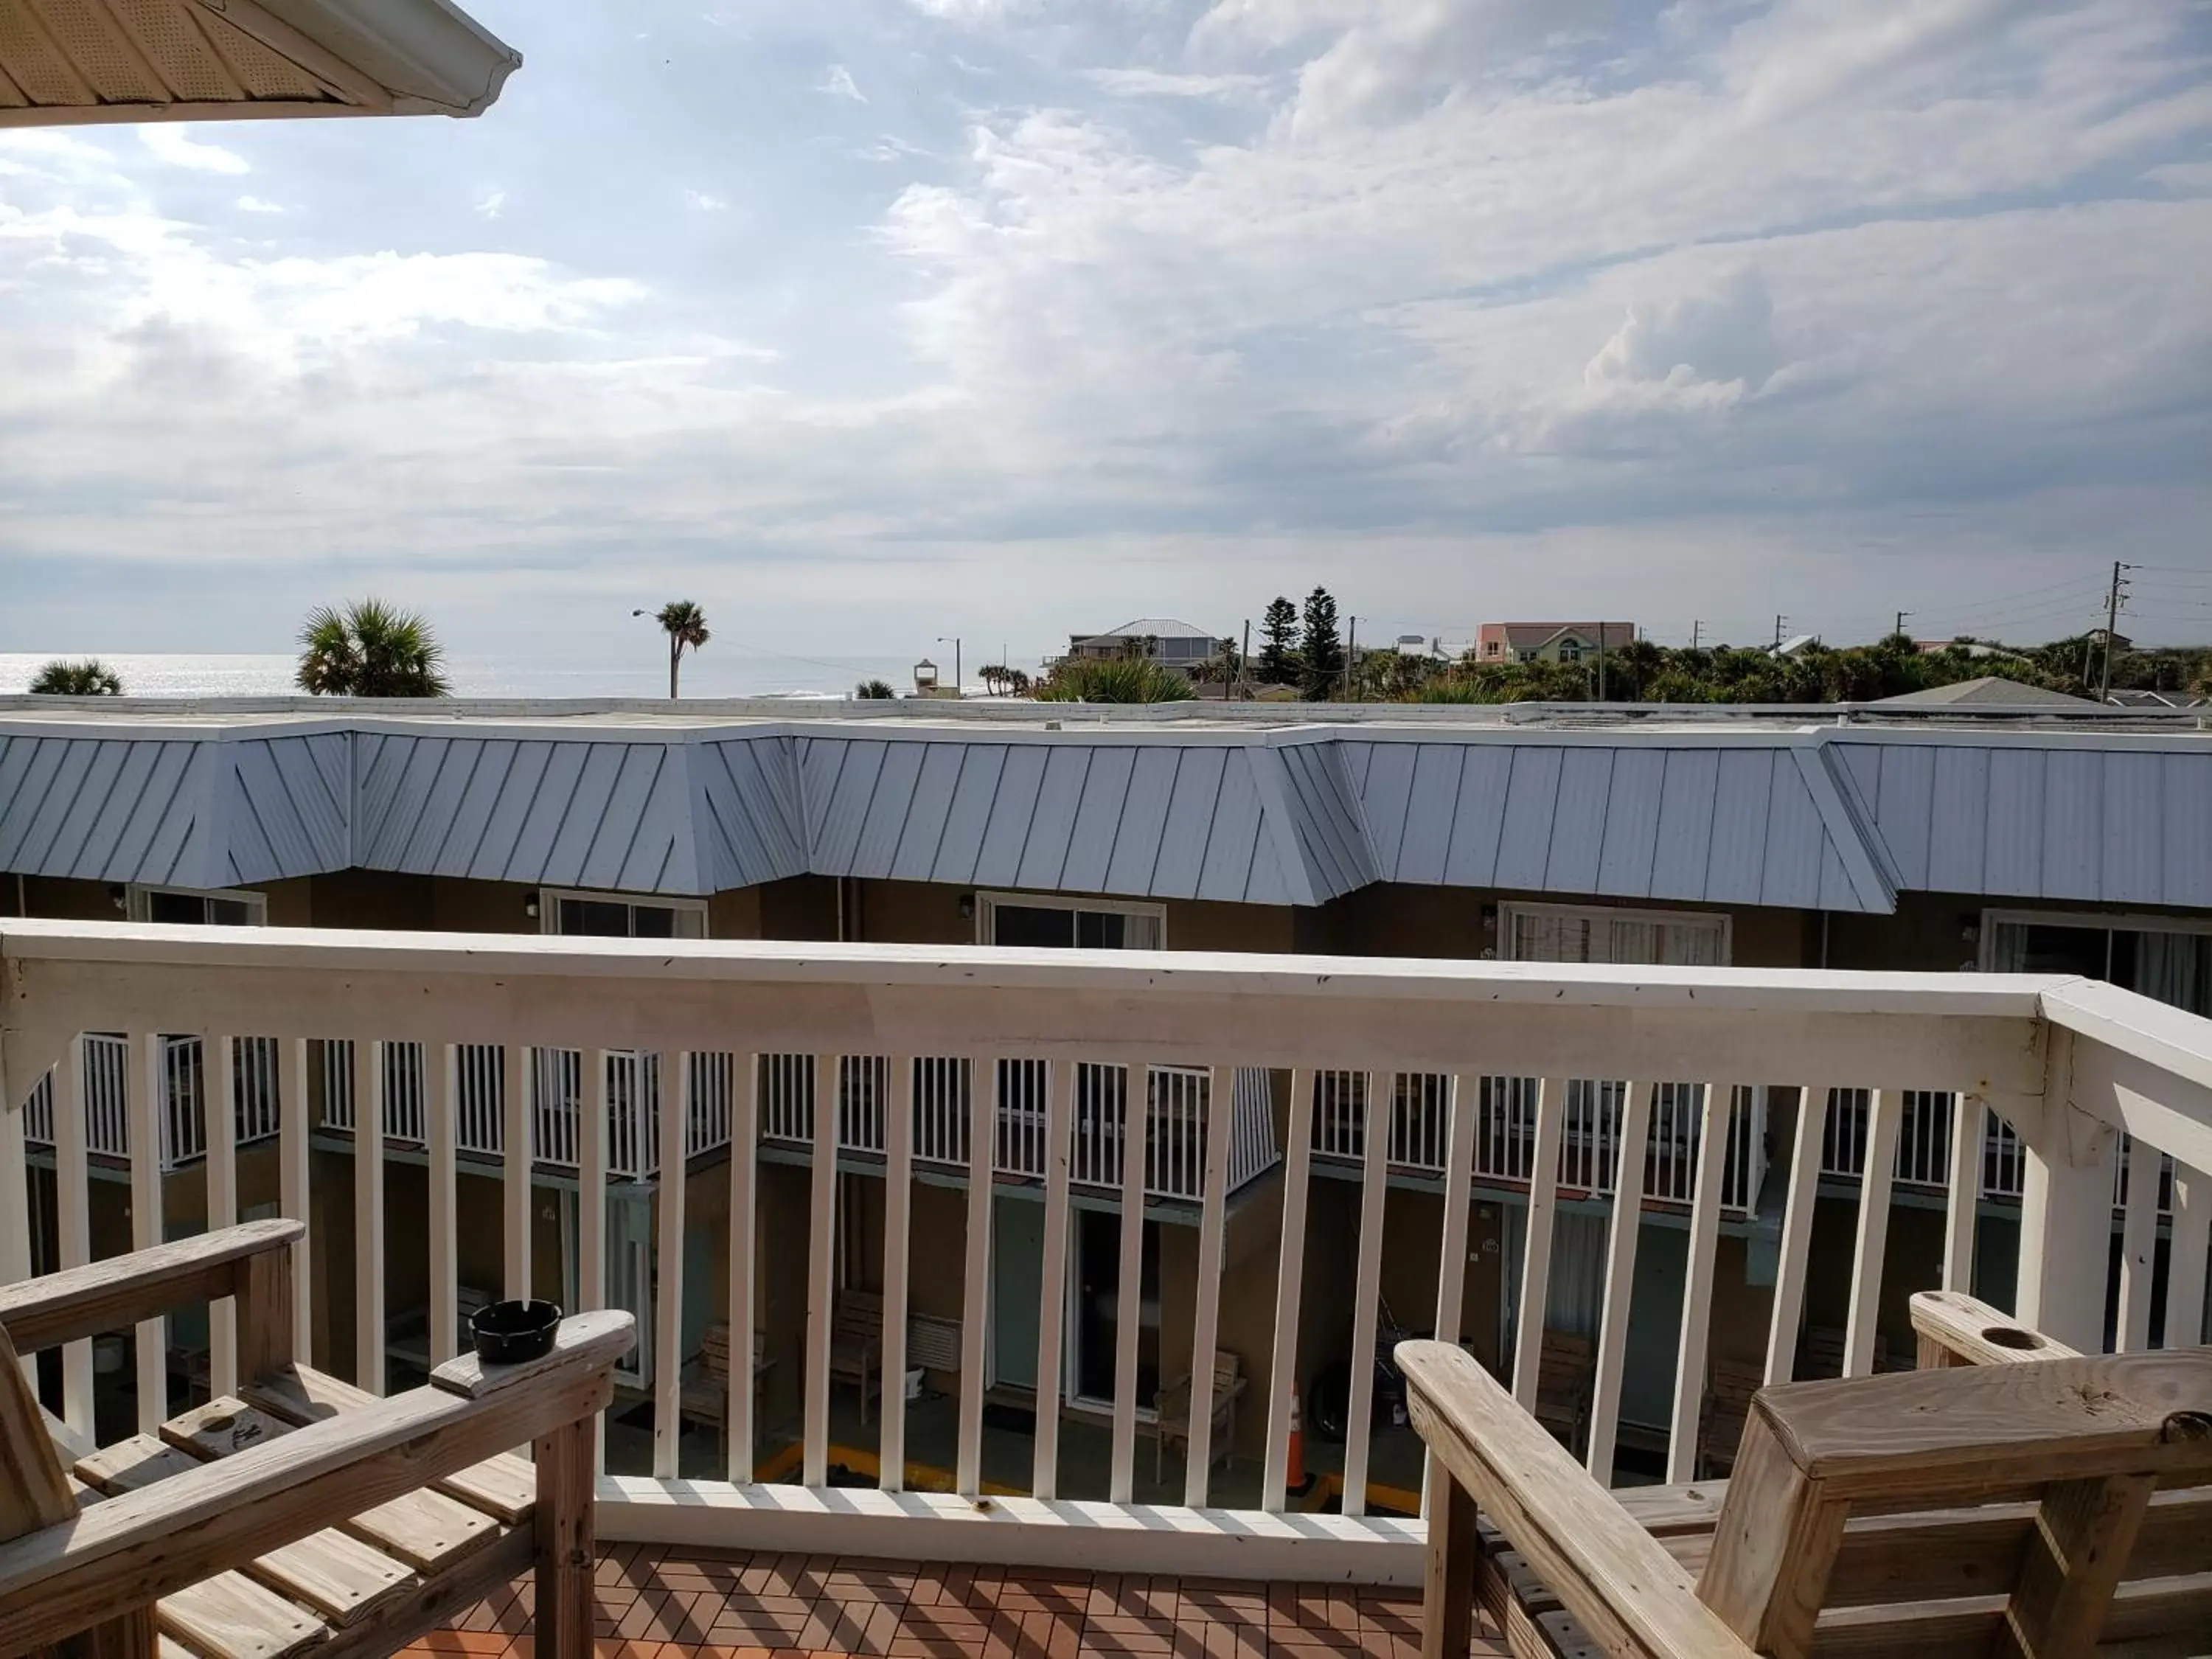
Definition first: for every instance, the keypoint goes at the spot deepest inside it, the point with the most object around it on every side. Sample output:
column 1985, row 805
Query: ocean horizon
column 730, row 674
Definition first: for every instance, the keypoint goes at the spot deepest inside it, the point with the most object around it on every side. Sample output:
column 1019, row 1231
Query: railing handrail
column 2131, row 1040
column 1811, row 990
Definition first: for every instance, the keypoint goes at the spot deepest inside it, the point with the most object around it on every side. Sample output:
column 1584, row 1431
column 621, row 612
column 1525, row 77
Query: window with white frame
column 619, row 915
column 1069, row 924
column 1560, row 933
column 198, row 907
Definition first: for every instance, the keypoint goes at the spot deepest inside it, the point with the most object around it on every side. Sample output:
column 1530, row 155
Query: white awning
column 67, row 62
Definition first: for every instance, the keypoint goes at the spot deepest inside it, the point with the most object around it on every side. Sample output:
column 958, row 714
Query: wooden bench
column 856, row 1344
column 1727, row 1409
column 1566, row 1370
column 2035, row 1509
column 300, row 1513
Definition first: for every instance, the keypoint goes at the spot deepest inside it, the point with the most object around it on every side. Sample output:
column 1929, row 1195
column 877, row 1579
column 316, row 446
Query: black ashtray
column 507, row 1333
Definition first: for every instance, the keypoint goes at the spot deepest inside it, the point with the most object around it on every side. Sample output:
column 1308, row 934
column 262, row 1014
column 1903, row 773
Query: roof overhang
column 73, row 62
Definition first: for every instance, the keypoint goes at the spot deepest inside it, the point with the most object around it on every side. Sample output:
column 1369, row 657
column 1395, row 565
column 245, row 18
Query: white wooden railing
column 183, row 1117
column 2071, row 1066
column 1590, row 1149
column 1924, row 1149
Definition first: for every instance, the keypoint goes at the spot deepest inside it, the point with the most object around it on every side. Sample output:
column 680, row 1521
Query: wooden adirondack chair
column 306, row 1514
column 2031, row 1509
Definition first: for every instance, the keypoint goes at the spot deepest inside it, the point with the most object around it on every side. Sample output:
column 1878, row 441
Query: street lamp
column 955, row 643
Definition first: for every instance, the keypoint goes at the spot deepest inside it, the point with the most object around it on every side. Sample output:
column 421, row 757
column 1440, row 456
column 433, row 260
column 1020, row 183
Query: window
column 1571, row 651
column 1069, row 925
column 198, row 907
column 619, row 915
column 1558, row 932
column 2167, row 958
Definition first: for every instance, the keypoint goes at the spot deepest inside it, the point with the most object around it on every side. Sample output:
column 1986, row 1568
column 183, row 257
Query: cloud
column 174, row 146
column 838, row 83
column 255, row 205
column 700, row 201
column 1717, row 345
column 492, row 203
column 1160, row 83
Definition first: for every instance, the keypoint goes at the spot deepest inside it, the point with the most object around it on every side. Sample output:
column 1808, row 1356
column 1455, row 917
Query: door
column 1097, row 1323
column 1016, row 1287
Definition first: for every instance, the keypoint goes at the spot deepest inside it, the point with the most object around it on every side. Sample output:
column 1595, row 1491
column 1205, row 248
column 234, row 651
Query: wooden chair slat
column 231, row 1617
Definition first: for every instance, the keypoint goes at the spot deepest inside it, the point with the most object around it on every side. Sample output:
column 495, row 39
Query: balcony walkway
column 661, row 1602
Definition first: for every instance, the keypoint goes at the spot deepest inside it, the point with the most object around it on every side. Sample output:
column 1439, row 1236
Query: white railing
column 1924, row 1149
column 1420, row 1122
column 2071, row 1067
column 183, row 1118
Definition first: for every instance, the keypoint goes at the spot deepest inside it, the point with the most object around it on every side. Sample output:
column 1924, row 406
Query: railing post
column 443, row 1064
column 821, row 1288
column 514, row 1165
column 293, row 1163
column 976, row 1291
column 145, row 1103
column 368, row 1213
column 1135, row 1129
column 1619, row 1277
column 1367, row 1286
column 1805, row 1157
column 668, row 1314
column 1290, row 1280
column 73, row 1216
column 1885, row 1115
column 1052, row 1290
column 2065, row 1209
column 744, row 1141
column 2191, row 1237
column 219, row 1119
column 898, row 1208
column 1715, row 1118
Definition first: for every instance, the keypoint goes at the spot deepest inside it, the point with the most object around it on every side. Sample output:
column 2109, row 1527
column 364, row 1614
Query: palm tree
column 685, row 625
column 89, row 678
column 370, row 649
column 873, row 690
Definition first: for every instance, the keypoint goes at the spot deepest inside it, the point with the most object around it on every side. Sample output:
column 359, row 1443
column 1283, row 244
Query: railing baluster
column 1367, row 1288
column 515, row 1162
column 975, row 1293
column 1462, row 1104
column 1220, row 1103
column 2190, row 1236
column 1536, row 1245
column 73, row 1220
column 2066, row 1200
column 15, row 1205
column 1962, row 1191
column 2138, row 1248
column 898, row 1212
column 1807, row 1155
column 1715, row 1115
column 219, row 1109
column 1619, row 1275
column 1129, row 1297
column 1052, row 1290
column 668, row 1311
column 1290, row 1283
column 1885, row 1113
column 821, row 1215
column 144, row 1093
column 293, row 1189
column 368, row 1213
column 744, row 1143
column 592, row 1224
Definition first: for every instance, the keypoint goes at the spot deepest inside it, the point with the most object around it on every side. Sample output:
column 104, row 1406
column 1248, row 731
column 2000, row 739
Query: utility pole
column 1351, row 651
column 1779, row 619
column 1244, row 662
column 1600, row 662
column 2111, row 625
column 1697, row 633
column 955, row 643
column 1901, row 616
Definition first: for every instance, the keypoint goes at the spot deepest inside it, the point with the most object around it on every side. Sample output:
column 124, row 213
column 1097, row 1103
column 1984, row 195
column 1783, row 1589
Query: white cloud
column 700, row 201
column 492, row 203
column 169, row 142
column 838, row 82
column 1161, row 83
column 255, row 205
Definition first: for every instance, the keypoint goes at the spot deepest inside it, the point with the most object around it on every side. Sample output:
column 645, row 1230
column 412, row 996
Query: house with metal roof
column 1161, row 640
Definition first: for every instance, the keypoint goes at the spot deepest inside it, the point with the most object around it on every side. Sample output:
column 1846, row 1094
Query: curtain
column 1140, row 932
column 2008, row 947
column 2176, row 968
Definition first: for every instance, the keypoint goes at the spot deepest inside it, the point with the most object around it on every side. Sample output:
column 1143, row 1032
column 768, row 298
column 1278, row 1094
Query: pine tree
column 1279, row 652
column 1320, row 650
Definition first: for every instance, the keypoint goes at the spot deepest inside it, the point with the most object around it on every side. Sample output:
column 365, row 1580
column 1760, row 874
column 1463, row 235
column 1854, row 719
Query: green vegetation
column 1277, row 661
column 89, row 678
column 873, row 690
column 1120, row 680
column 1321, row 650
column 1003, row 680
column 685, row 625
column 1641, row 671
column 370, row 649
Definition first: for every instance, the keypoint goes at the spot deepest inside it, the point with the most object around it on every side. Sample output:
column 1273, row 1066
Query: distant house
column 1162, row 639
column 1549, row 641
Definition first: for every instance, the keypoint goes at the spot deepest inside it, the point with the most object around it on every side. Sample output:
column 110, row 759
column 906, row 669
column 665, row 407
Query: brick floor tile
column 475, row 1644
column 621, row 1649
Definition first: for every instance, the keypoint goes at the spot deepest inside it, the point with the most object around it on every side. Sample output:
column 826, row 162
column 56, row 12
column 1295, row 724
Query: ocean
column 712, row 672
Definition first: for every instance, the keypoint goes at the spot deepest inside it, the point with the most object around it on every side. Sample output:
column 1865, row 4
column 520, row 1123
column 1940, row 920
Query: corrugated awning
column 69, row 62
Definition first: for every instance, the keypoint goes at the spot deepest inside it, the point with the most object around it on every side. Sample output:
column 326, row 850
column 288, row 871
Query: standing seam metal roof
column 1827, row 819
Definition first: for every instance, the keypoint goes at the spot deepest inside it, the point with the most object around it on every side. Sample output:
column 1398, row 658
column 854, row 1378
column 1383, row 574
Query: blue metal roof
column 1831, row 818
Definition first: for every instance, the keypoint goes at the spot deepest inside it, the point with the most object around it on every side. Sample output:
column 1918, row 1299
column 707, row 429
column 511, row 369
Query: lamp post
column 954, row 642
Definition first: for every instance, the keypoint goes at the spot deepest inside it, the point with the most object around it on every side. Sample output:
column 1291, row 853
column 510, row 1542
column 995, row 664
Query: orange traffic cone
column 1295, row 1467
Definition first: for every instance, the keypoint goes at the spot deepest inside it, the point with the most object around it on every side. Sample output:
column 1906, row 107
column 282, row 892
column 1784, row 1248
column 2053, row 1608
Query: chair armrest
column 1628, row 1593
column 137, row 1547
column 110, row 1294
column 1958, row 1329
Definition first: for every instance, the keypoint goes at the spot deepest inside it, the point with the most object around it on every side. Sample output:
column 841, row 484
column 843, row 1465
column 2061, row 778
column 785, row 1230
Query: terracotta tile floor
column 656, row 1603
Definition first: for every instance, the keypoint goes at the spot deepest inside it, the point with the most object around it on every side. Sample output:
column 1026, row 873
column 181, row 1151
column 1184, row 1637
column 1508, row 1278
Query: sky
column 867, row 322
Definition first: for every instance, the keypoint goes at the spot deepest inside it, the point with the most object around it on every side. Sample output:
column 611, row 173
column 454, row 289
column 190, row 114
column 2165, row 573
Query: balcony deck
column 665, row 1603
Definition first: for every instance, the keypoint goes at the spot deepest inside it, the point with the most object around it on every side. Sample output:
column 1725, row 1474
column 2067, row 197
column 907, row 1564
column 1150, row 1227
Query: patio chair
column 305, row 1514
column 1173, row 1405
column 2035, row 1509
